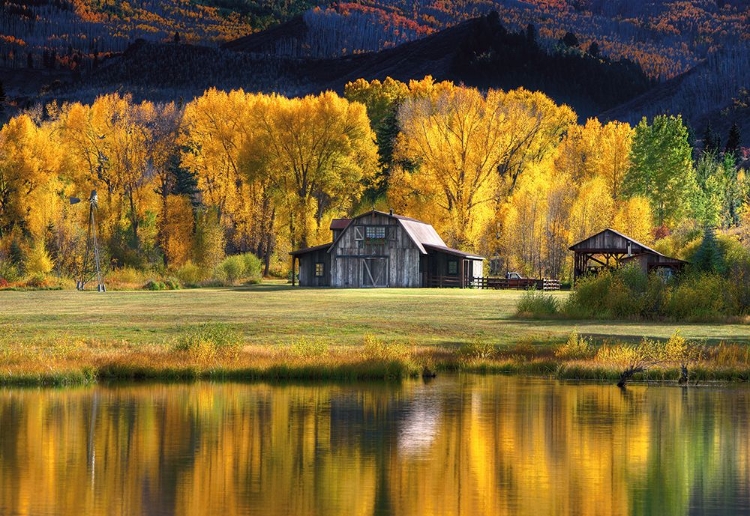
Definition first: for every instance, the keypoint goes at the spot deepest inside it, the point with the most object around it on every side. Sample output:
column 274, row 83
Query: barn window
column 320, row 269
column 375, row 234
column 453, row 267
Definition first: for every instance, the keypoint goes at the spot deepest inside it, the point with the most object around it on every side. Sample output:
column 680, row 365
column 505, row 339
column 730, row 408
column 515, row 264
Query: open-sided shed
column 611, row 249
column 377, row 249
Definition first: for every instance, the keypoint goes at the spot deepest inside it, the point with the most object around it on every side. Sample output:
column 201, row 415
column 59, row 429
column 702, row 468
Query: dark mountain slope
column 266, row 41
column 478, row 52
column 715, row 91
column 482, row 53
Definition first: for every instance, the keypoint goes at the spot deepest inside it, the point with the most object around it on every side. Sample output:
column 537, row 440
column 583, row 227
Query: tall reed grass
column 215, row 352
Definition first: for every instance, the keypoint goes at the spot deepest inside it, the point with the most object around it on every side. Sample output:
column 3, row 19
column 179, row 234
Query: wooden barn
column 378, row 249
column 611, row 249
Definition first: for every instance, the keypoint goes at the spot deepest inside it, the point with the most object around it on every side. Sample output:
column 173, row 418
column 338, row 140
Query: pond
column 459, row 445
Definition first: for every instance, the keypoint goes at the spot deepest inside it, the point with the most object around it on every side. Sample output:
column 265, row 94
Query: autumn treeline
column 510, row 175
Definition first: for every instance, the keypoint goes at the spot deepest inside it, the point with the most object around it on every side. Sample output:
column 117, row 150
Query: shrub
column 308, row 348
column 231, row 269
column 172, row 284
column 681, row 351
column 588, row 298
column 126, row 276
column 536, row 303
column 253, row 268
column 210, row 340
column 239, row 267
column 9, row 271
column 376, row 349
column 701, row 296
column 37, row 280
column 626, row 355
column 154, row 285
column 479, row 349
column 190, row 274
column 728, row 355
column 576, row 348
column 621, row 293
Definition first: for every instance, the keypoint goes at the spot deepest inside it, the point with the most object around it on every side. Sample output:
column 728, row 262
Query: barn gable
column 378, row 249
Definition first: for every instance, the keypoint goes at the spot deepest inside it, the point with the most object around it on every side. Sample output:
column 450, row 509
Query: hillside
column 75, row 49
column 169, row 71
column 715, row 92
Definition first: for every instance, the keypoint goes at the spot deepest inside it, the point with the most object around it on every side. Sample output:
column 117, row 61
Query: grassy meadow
column 275, row 331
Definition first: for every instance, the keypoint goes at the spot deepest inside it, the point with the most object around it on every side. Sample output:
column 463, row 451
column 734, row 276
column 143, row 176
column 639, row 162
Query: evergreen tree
column 594, row 49
column 711, row 141
column 570, row 40
column 733, row 140
column 708, row 257
column 531, row 35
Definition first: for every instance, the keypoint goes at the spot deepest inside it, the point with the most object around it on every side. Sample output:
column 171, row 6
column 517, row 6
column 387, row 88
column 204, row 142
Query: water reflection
column 459, row 445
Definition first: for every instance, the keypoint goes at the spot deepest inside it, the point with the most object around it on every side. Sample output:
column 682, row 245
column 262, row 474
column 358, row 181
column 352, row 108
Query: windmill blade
column 74, row 200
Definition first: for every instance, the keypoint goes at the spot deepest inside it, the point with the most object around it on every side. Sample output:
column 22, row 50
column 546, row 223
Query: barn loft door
column 374, row 272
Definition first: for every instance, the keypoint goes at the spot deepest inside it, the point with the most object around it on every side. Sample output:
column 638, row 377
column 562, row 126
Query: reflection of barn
column 611, row 249
column 379, row 249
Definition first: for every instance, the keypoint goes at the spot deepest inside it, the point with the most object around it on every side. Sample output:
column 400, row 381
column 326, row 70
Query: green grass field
column 280, row 314
column 43, row 333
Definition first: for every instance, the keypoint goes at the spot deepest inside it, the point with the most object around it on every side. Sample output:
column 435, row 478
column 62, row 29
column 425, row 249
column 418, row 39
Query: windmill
column 90, row 265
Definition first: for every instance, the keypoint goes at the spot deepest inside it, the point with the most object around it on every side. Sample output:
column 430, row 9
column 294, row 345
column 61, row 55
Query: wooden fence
column 517, row 283
column 492, row 283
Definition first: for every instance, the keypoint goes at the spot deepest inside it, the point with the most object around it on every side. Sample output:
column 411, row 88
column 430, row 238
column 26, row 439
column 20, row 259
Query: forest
column 510, row 175
column 664, row 38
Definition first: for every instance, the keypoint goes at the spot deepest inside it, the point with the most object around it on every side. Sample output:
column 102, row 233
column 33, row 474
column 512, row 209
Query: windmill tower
column 90, row 267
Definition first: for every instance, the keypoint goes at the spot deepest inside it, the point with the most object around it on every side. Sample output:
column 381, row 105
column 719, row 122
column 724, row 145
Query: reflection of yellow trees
column 489, row 446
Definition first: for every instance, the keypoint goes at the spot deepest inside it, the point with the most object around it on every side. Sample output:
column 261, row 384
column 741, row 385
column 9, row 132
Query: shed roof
column 610, row 240
column 312, row 249
column 454, row 252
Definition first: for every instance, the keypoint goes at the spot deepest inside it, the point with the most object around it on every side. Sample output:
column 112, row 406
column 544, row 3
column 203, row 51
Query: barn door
column 374, row 272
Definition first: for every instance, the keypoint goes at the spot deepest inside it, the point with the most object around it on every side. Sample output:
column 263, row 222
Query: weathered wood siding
column 609, row 242
column 307, row 264
column 357, row 261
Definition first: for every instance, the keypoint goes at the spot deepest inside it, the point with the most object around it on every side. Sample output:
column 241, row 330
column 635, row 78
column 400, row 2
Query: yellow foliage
column 453, row 136
column 177, row 231
column 633, row 218
column 314, row 153
column 29, row 170
column 596, row 150
column 593, row 209
column 38, row 260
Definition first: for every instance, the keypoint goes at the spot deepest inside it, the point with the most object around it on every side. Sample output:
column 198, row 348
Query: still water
column 463, row 445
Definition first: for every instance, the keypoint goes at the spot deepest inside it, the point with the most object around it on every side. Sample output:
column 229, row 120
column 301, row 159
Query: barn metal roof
column 422, row 234
column 339, row 223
